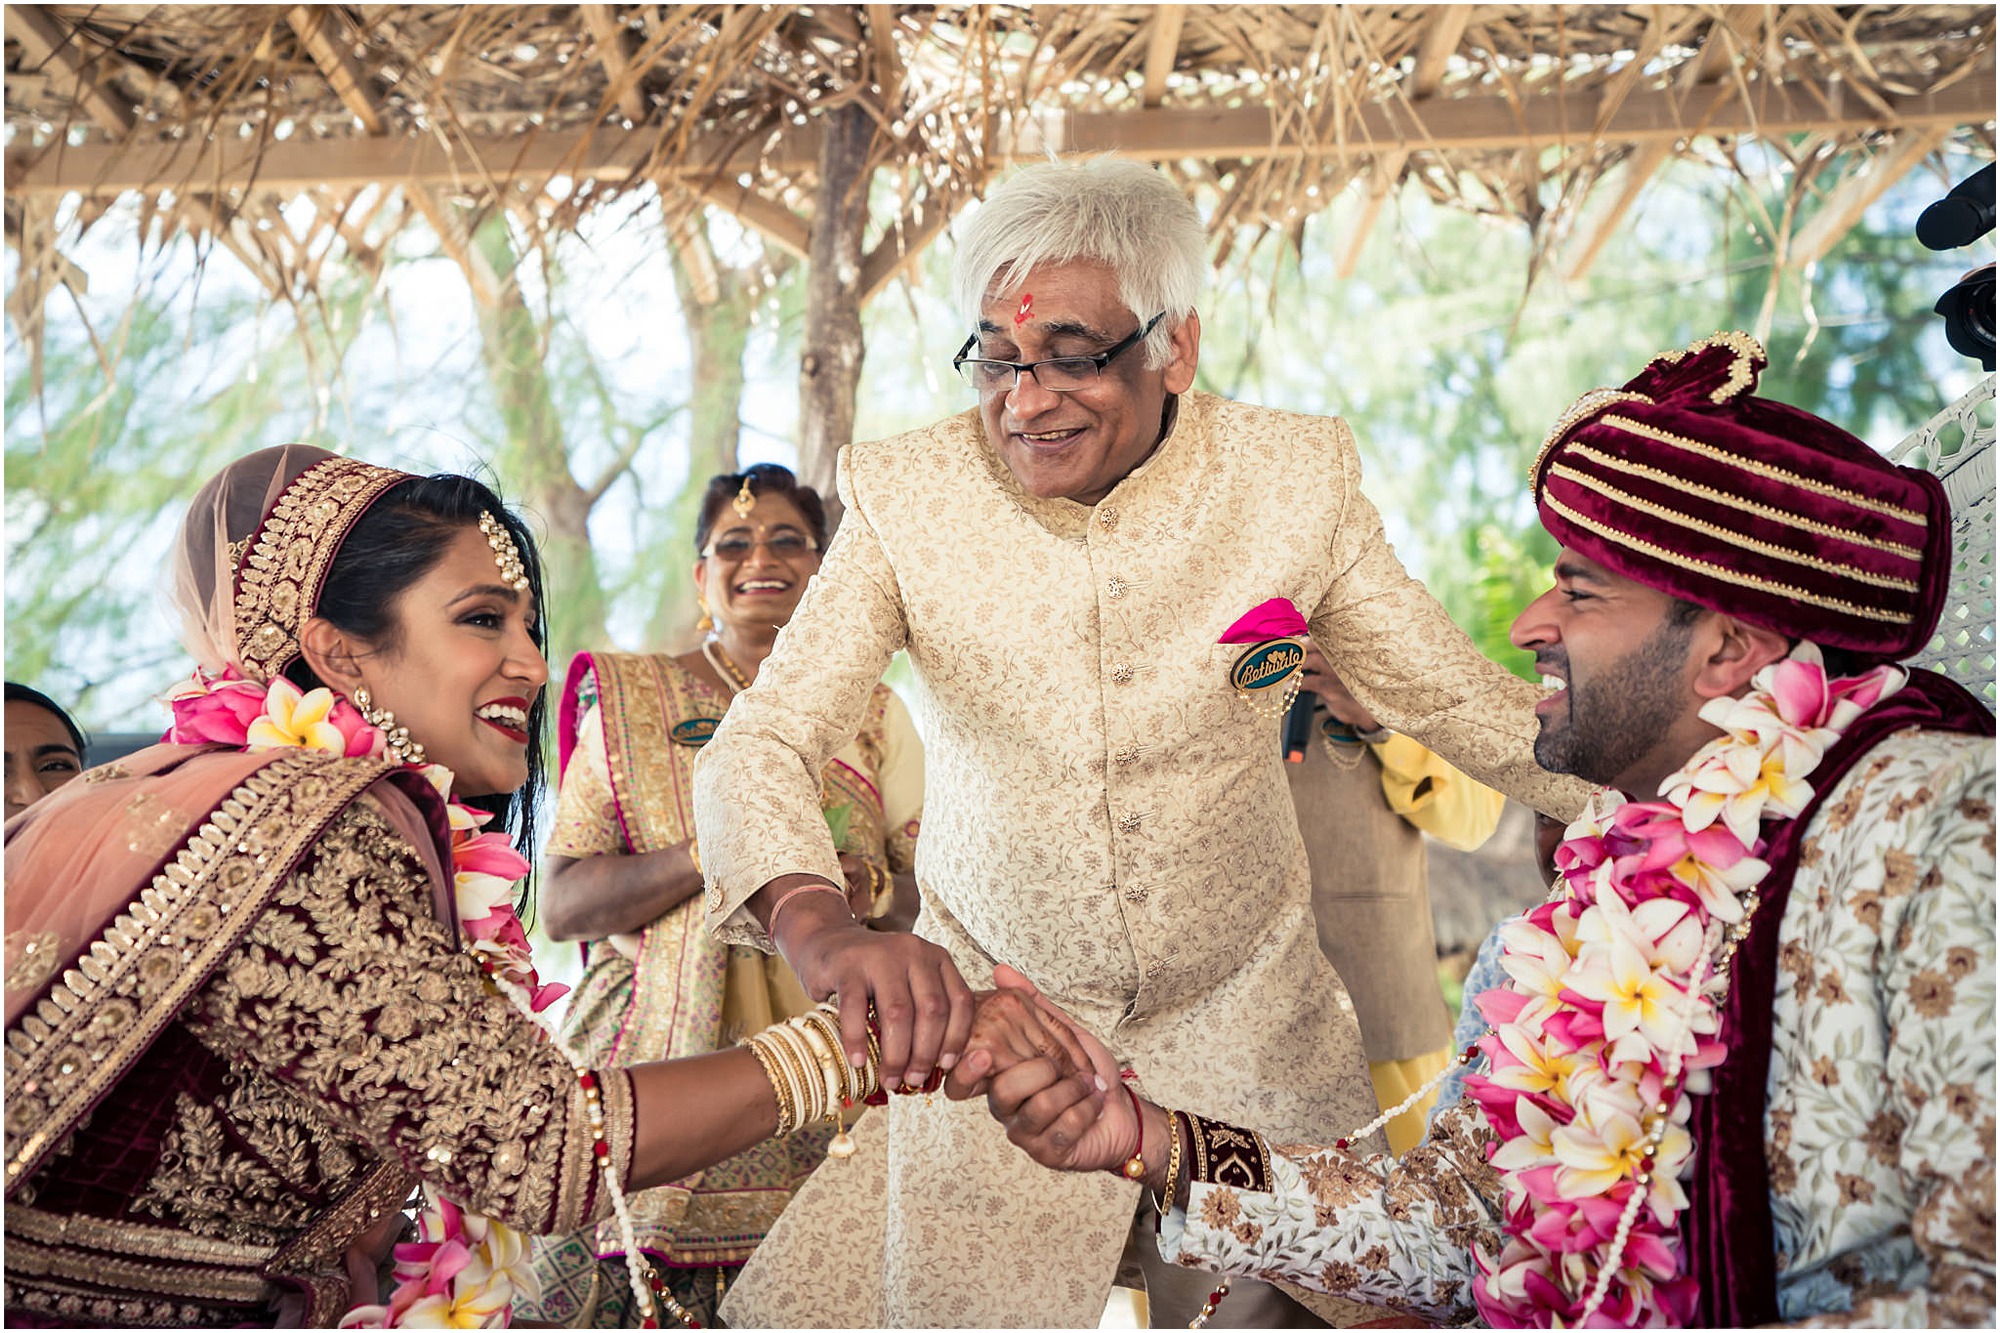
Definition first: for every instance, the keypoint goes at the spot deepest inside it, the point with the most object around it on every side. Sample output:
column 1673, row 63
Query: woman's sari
column 149, row 1180
column 629, row 729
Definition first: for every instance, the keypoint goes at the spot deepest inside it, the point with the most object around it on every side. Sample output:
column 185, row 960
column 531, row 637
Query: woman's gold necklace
column 731, row 674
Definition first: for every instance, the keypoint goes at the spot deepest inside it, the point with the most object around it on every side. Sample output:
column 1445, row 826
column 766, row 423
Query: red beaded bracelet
column 1135, row 1165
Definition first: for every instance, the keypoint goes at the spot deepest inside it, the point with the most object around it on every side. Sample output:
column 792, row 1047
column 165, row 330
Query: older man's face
column 1078, row 444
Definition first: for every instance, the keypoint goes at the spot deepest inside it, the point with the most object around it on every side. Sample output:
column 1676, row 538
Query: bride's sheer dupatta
column 122, row 883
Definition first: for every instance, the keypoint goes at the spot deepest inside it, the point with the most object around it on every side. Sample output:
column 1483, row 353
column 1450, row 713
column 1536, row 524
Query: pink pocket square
column 1275, row 619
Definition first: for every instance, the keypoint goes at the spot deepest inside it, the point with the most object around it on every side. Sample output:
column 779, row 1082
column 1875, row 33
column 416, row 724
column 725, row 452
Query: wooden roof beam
column 456, row 242
column 1442, row 35
column 1851, row 198
column 1382, row 177
column 43, row 40
column 615, row 46
column 1159, row 134
column 1162, row 45
column 1727, row 37
column 899, row 247
column 317, row 27
column 771, row 219
column 45, row 44
column 1443, row 30
column 888, row 64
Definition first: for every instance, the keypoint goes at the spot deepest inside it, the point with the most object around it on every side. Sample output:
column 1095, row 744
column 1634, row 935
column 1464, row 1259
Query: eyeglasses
column 785, row 546
column 1059, row 374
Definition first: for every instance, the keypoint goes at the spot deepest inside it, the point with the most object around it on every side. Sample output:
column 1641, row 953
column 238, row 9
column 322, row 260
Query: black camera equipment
column 1298, row 726
column 1960, row 218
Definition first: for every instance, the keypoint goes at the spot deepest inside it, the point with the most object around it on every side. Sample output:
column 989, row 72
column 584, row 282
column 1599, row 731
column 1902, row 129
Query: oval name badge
column 695, row 731
column 1265, row 665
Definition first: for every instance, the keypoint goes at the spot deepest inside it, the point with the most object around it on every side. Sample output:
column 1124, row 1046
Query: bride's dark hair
column 400, row 539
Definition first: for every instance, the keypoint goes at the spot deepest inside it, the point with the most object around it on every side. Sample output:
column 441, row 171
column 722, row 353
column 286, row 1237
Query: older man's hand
column 923, row 1008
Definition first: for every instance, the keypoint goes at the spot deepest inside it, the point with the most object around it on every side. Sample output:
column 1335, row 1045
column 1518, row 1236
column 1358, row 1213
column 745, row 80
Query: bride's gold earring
column 705, row 625
column 401, row 748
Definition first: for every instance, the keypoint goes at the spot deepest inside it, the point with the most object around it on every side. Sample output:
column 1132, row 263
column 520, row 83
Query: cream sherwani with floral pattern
column 1103, row 812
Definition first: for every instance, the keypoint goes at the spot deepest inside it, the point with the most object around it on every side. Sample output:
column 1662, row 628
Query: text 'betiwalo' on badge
column 695, row 731
column 1267, row 674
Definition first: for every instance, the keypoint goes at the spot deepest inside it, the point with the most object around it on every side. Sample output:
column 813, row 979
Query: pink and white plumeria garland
column 464, row 1269
column 1611, row 1020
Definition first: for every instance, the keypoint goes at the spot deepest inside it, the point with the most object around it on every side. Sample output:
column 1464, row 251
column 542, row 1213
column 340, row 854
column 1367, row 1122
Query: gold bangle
column 694, row 858
column 880, row 886
column 786, row 1121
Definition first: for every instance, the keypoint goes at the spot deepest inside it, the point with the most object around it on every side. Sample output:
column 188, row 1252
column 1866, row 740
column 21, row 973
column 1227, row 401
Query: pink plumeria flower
column 1537, row 951
column 1531, row 1147
column 1740, row 785
column 1597, row 1150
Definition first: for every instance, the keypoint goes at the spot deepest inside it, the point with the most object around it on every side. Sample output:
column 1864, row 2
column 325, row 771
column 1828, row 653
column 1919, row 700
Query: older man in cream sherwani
column 1105, row 811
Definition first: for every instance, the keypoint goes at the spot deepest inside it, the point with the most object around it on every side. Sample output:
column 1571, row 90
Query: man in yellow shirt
column 1365, row 797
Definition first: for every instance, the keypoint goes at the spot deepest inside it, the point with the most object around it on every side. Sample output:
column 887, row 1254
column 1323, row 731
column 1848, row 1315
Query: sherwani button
column 1108, row 517
column 1128, row 823
column 1115, row 588
column 1121, row 674
column 1135, row 894
column 1126, row 755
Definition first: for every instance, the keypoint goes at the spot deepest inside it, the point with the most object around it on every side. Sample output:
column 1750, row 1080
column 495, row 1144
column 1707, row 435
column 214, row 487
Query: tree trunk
column 534, row 457
column 719, row 313
column 830, row 369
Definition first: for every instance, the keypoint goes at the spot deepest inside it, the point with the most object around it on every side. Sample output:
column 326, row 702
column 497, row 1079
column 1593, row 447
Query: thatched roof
column 214, row 111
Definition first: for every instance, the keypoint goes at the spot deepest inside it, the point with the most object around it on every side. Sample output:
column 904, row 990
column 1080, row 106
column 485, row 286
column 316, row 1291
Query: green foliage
column 586, row 397
column 97, row 471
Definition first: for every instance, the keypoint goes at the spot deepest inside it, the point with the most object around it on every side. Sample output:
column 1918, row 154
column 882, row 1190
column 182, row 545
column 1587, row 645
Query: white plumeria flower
column 1636, row 998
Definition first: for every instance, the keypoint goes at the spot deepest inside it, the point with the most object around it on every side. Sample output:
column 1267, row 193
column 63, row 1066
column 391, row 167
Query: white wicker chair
column 1957, row 446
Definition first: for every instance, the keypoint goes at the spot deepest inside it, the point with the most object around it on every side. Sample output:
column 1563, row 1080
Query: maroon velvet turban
column 1686, row 482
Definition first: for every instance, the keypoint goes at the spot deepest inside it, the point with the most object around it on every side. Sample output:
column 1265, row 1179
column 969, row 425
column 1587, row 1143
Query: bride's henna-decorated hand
column 1008, row 1030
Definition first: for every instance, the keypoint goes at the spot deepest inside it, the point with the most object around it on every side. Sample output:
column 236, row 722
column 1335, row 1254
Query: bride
column 265, row 980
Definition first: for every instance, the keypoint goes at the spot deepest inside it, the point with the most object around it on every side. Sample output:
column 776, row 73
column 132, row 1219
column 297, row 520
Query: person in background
column 1365, row 797
column 44, row 747
column 623, row 874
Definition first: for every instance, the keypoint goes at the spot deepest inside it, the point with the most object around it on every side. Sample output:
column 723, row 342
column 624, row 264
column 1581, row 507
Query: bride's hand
column 1066, row 1121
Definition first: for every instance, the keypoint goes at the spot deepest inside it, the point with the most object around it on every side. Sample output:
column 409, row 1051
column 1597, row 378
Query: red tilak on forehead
column 1027, row 309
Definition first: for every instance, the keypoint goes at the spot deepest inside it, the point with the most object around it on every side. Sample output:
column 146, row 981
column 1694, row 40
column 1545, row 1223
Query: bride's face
column 462, row 670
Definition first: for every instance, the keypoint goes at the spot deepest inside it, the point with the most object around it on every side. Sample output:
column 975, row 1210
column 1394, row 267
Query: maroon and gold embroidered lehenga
column 240, row 1029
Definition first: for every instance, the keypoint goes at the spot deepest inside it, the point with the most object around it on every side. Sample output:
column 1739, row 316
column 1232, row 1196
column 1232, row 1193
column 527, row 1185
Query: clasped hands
column 1053, row 1085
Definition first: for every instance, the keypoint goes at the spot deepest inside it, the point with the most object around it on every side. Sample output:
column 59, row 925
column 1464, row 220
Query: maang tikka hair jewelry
column 505, row 554
column 746, row 499
column 401, row 748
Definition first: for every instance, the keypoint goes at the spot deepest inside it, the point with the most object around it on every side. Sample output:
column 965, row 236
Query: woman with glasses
column 624, row 876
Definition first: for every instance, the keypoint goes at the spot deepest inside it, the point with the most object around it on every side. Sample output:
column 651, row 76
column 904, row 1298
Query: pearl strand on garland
column 1663, row 1112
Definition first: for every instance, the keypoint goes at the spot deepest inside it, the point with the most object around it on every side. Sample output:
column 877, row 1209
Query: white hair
column 1113, row 211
